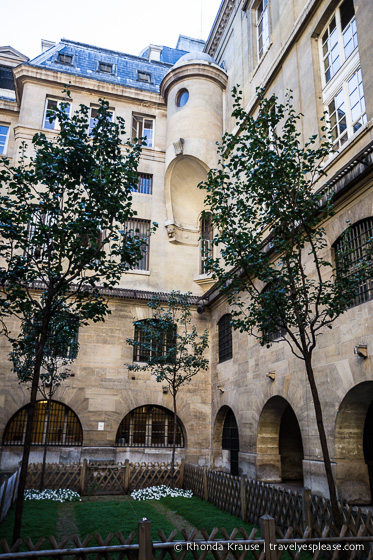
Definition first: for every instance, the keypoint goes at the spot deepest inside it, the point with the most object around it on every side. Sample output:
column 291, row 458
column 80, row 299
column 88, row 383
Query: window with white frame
column 143, row 127
column 263, row 27
column 4, row 135
column 51, row 105
column 343, row 92
column 93, row 118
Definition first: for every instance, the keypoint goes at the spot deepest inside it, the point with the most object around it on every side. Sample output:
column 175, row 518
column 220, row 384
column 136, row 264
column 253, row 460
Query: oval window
column 182, row 97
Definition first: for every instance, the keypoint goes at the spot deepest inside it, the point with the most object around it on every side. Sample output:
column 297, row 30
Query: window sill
column 141, row 272
column 349, row 144
column 256, row 69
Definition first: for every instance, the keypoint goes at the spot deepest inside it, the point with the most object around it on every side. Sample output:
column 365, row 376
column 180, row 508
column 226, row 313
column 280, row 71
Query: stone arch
column 150, row 426
column 62, row 429
column 354, row 445
column 225, row 441
column 279, row 444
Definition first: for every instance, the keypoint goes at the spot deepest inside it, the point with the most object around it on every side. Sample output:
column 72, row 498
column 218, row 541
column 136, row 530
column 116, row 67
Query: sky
column 122, row 25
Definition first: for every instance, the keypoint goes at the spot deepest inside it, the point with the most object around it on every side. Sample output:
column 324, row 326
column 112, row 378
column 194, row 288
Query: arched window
column 63, row 427
column 225, row 338
column 149, row 426
column 149, row 343
column 351, row 248
column 206, row 240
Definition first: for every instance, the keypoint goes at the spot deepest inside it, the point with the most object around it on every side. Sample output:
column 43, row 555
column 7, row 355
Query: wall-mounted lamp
column 361, row 350
column 221, row 389
column 165, row 389
column 271, row 375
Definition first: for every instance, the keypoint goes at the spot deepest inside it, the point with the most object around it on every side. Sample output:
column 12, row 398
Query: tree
column 171, row 347
column 63, row 235
column 60, row 351
column 271, row 249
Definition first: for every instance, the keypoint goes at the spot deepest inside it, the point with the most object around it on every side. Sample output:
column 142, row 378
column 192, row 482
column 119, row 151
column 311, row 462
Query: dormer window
column 105, row 67
column 144, row 77
column 65, row 58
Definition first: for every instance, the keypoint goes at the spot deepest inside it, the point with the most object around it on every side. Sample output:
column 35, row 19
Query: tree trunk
column 337, row 518
column 173, row 443
column 42, row 474
column 30, row 422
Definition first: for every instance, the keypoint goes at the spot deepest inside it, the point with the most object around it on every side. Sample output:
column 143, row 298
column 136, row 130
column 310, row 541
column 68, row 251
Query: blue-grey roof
column 125, row 67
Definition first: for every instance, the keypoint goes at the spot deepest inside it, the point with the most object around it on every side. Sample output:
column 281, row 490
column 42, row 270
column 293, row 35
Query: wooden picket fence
column 251, row 499
column 8, row 493
column 271, row 545
column 104, row 478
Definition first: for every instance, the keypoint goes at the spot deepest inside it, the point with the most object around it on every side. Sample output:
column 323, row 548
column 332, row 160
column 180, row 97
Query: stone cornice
column 199, row 69
column 219, row 26
column 36, row 74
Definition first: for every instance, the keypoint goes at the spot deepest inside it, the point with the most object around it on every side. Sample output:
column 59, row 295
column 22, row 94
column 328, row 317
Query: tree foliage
column 171, row 346
column 63, row 235
column 272, row 258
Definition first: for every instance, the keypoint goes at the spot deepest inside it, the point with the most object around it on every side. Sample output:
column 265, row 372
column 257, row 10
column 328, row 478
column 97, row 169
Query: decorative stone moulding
column 182, row 235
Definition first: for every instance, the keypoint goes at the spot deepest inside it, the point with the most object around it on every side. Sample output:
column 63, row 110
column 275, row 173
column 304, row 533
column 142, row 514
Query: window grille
column 140, row 228
column 352, row 247
column 6, row 78
column 145, row 184
column 149, row 426
column 279, row 332
column 147, row 349
column 230, row 440
column 64, row 428
column 225, row 338
column 206, row 241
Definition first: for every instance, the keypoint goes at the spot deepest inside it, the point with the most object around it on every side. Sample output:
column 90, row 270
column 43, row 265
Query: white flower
column 158, row 492
column 60, row 495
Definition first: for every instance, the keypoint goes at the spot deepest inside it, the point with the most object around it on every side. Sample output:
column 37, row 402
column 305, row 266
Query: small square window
column 65, row 58
column 145, row 184
column 144, row 77
column 105, row 67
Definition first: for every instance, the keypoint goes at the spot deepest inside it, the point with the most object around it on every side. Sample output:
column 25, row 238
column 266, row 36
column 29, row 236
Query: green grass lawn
column 39, row 520
column 204, row 515
column 112, row 516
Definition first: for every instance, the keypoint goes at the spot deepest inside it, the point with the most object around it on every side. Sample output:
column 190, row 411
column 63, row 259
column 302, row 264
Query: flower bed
column 158, row 492
column 53, row 495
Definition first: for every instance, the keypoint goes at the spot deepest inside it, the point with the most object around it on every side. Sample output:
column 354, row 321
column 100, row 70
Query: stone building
column 234, row 417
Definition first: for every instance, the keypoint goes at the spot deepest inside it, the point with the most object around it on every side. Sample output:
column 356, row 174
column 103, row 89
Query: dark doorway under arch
column 230, row 440
column 290, row 447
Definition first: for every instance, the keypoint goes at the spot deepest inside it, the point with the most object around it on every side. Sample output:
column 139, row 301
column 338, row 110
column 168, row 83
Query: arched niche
column 354, row 445
column 279, row 444
column 185, row 201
